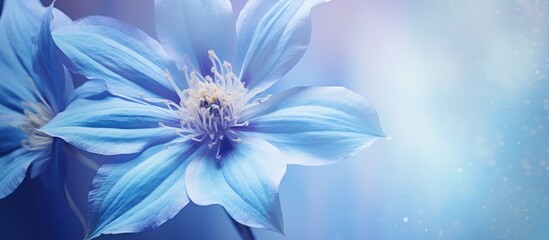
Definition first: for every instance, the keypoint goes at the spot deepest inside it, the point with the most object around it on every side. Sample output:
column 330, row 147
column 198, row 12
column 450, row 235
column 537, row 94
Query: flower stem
column 244, row 231
column 76, row 211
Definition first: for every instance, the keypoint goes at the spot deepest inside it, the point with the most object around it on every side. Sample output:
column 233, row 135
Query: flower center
column 36, row 116
column 209, row 109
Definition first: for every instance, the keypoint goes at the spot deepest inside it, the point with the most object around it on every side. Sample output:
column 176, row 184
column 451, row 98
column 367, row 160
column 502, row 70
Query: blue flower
column 197, row 129
column 34, row 88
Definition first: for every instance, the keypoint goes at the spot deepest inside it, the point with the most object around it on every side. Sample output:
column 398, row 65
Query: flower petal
column 52, row 168
column 15, row 87
column 91, row 88
column 276, row 43
column 141, row 193
column 10, row 138
column 54, row 81
column 20, row 22
column 10, row 134
column 111, row 125
column 248, row 19
column 127, row 59
column 193, row 27
column 13, row 167
column 315, row 125
column 245, row 182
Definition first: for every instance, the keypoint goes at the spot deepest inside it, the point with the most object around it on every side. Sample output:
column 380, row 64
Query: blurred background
column 461, row 87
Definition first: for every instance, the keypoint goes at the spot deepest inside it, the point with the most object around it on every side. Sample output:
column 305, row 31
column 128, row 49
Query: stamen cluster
column 209, row 108
column 36, row 115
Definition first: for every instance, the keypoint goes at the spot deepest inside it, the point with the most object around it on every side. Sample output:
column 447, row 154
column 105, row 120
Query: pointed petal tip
column 280, row 229
column 277, row 230
column 276, row 226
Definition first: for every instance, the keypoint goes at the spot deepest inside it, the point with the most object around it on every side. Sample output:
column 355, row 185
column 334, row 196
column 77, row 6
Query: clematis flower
column 195, row 127
column 34, row 87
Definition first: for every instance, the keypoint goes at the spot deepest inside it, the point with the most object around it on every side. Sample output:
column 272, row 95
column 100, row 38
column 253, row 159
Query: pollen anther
column 209, row 108
column 37, row 114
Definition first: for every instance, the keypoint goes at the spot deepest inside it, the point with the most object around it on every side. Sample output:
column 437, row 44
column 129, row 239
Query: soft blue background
column 461, row 87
